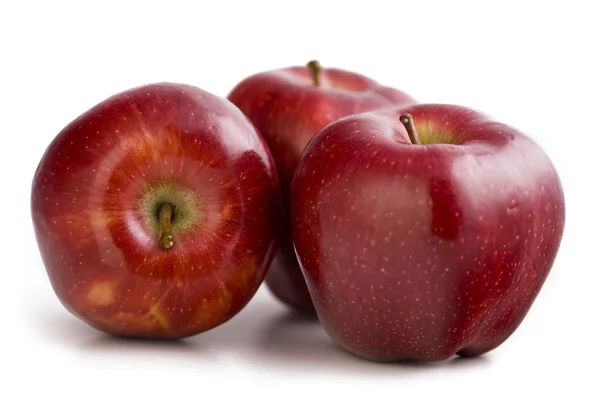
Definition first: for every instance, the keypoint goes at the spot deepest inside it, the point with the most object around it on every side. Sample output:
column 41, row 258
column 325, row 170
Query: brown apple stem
column 409, row 123
column 314, row 67
column 165, row 214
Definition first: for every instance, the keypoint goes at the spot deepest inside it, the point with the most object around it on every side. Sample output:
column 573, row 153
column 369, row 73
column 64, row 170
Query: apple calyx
column 314, row 67
column 165, row 214
column 409, row 123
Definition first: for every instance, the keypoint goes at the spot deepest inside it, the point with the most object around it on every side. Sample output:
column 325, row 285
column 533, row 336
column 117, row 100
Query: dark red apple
column 426, row 249
column 288, row 106
column 157, row 212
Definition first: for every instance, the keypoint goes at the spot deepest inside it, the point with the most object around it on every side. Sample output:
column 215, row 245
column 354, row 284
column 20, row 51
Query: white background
column 532, row 65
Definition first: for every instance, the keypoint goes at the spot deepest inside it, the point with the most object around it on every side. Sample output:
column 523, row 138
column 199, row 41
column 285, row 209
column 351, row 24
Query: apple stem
column 314, row 67
column 165, row 214
column 409, row 123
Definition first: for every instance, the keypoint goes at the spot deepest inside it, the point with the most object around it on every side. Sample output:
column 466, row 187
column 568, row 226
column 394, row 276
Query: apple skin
column 288, row 109
column 94, row 200
column 419, row 252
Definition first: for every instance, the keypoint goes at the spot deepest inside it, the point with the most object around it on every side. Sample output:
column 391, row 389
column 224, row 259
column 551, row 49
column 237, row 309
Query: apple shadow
column 263, row 335
column 296, row 341
column 63, row 329
column 282, row 339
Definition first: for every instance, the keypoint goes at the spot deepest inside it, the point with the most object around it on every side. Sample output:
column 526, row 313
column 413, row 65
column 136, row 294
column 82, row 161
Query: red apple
column 156, row 212
column 426, row 249
column 288, row 106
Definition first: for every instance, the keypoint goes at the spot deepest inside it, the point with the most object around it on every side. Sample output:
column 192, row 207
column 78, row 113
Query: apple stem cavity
column 165, row 215
column 314, row 67
column 409, row 123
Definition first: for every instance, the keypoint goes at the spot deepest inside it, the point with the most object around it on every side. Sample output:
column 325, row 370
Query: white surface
column 534, row 67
